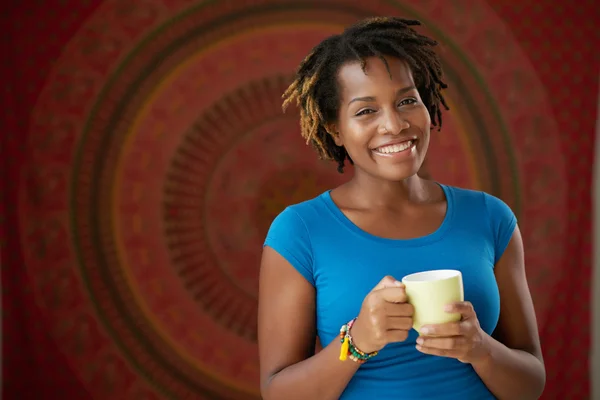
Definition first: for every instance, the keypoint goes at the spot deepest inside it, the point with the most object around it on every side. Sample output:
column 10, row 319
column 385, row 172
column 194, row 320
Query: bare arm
column 514, row 368
column 289, row 369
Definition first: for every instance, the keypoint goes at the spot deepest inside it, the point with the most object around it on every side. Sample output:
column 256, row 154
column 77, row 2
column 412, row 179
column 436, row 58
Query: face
column 382, row 122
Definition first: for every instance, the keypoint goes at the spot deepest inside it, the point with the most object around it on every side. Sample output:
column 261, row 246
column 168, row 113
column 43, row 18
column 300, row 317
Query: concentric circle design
column 220, row 196
column 170, row 157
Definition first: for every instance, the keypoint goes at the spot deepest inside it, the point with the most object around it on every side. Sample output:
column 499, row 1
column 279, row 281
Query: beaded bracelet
column 349, row 350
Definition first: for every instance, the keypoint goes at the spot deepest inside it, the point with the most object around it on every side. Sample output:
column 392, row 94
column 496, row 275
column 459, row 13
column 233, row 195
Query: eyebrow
column 371, row 98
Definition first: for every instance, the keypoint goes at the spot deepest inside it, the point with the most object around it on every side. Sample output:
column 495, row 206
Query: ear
column 335, row 134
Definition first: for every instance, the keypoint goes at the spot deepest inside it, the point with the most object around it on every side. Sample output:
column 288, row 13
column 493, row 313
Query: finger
column 447, row 329
column 399, row 309
column 443, row 343
column 398, row 335
column 393, row 294
column 439, row 352
column 402, row 323
column 388, row 281
column 464, row 308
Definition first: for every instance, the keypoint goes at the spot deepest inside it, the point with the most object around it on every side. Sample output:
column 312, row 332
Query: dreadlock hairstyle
column 315, row 89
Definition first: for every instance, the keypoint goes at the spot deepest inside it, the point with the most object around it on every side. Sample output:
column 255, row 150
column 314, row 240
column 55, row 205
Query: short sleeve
column 289, row 237
column 503, row 222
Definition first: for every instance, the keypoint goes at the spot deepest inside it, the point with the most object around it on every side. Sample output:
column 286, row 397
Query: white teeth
column 395, row 148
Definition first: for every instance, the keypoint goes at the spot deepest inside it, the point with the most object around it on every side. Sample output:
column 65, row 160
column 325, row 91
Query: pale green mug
column 429, row 292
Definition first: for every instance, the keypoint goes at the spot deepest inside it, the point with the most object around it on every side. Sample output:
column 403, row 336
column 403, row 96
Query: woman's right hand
column 385, row 317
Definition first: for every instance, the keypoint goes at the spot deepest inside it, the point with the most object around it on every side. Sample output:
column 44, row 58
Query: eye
column 365, row 112
column 408, row 102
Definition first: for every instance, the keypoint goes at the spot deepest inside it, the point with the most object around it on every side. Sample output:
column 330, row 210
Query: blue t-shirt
column 344, row 263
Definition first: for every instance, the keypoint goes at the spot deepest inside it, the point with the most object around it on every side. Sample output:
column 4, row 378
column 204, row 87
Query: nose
column 394, row 122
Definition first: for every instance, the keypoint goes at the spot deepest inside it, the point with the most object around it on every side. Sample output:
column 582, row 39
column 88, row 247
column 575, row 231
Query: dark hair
column 315, row 89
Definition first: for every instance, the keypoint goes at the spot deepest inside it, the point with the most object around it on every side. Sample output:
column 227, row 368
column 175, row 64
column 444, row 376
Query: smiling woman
column 331, row 265
column 321, row 103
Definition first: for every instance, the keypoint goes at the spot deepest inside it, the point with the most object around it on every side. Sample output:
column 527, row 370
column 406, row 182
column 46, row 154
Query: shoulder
column 488, row 213
column 290, row 234
column 462, row 195
column 307, row 215
column 296, row 221
column 479, row 201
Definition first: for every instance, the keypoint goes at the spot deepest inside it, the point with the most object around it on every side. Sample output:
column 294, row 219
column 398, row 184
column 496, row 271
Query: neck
column 373, row 192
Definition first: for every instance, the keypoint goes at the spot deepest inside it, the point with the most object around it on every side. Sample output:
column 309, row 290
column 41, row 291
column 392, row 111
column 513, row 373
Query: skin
column 387, row 198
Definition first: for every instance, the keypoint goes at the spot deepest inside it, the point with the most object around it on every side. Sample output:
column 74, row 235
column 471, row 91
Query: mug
column 430, row 291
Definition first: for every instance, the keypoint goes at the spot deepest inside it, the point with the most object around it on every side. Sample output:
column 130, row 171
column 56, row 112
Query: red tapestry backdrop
column 133, row 129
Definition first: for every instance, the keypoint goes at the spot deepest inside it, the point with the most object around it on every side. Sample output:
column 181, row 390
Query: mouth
column 396, row 148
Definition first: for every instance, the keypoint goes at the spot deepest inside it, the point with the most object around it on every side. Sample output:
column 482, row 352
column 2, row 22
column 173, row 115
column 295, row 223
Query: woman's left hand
column 463, row 340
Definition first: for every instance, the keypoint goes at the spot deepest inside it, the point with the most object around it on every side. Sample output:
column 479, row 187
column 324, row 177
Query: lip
column 395, row 141
column 405, row 154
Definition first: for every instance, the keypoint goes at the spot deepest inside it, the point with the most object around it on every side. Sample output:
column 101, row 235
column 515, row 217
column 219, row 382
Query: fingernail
column 398, row 283
column 425, row 330
column 420, row 340
column 448, row 307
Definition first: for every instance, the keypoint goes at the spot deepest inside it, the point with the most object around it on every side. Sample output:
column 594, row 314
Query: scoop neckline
column 418, row 241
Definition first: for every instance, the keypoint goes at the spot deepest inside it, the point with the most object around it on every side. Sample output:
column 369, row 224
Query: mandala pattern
column 171, row 157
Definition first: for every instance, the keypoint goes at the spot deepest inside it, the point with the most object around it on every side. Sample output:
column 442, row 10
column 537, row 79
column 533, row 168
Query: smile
column 395, row 148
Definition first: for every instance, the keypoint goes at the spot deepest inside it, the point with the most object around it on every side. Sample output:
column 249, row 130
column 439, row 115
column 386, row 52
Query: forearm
column 320, row 377
column 511, row 374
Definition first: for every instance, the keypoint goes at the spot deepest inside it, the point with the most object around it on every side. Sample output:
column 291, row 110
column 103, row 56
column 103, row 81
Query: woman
column 369, row 96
